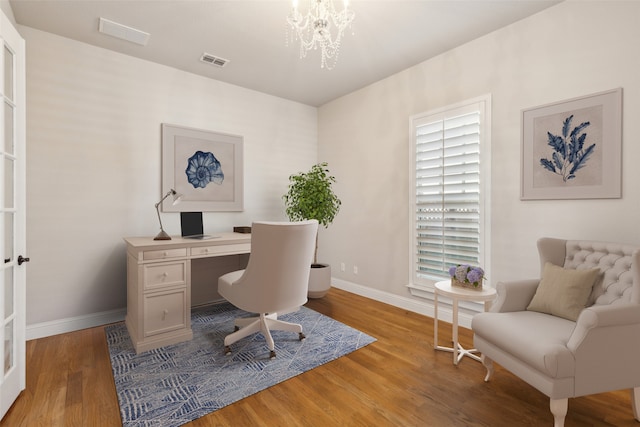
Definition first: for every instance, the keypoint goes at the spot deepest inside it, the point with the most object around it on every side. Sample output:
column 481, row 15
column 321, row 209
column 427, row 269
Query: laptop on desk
column 191, row 226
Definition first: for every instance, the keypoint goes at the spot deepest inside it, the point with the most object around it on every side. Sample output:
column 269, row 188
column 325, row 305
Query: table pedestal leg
column 455, row 332
column 458, row 351
column 435, row 320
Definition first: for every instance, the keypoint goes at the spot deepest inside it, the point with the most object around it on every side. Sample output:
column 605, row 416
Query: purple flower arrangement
column 467, row 275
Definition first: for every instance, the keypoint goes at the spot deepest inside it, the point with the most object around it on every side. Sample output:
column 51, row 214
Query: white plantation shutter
column 447, row 197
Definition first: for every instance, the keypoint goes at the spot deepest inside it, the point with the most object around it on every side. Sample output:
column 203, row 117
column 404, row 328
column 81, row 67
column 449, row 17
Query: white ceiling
column 388, row 36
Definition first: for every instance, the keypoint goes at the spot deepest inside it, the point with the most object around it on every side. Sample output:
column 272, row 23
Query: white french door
column 12, row 211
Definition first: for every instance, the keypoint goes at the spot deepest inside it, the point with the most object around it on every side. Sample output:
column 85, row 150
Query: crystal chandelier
column 322, row 26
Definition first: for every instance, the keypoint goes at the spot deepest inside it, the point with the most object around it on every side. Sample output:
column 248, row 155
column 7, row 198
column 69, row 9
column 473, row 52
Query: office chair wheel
column 236, row 329
column 227, row 350
column 301, row 336
column 272, row 355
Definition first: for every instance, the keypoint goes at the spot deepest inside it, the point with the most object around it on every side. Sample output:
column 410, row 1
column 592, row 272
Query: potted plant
column 310, row 196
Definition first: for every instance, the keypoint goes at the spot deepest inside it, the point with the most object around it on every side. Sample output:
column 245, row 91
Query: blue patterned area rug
column 176, row 384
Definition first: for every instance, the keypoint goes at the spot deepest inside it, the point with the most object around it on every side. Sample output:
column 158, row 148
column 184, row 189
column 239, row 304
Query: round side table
column 457, row 293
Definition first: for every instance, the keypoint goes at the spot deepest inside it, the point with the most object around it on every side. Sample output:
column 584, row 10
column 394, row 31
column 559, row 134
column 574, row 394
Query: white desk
column 159, row 285
column 457, row 293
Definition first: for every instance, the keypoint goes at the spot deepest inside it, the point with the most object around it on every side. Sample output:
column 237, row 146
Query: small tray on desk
column 243, row 230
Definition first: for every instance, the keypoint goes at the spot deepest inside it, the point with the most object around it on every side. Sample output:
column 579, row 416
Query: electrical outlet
column 342, row 266
column 355, row 269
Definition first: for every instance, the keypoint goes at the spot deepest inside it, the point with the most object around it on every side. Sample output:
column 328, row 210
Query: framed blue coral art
column 204, row 167
column 573, row 149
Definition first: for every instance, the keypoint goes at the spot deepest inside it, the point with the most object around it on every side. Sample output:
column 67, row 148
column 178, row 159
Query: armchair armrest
column 605, row 346
column 514, row 295
column 609, row 317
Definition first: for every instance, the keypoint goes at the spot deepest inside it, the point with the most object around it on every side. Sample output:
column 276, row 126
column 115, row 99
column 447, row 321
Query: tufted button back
column 615, row 261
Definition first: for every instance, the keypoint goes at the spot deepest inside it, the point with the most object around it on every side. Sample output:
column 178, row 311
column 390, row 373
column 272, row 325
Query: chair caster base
column 272, row 354
column 227, row 351
column 301, row 336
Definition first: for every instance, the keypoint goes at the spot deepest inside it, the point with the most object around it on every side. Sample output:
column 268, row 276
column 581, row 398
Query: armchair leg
column 559, row 410
column 488, row 363
column 635, row 402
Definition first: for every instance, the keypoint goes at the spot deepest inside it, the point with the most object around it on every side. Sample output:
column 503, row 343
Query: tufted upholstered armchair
column 563, row 358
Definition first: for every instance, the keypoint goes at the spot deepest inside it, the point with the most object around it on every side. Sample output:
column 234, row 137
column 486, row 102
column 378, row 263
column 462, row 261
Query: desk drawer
column 165, row 312
column 164, row 274
column 164, row 254
column 238, row 248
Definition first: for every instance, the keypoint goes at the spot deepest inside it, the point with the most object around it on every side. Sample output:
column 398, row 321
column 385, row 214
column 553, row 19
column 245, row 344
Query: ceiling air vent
column 213, row 60
column 123, row 32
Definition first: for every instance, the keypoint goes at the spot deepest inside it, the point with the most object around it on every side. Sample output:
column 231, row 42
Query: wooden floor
column 397, row 381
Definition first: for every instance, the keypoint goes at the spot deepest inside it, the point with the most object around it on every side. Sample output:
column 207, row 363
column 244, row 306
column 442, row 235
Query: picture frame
column 204, row 167
column 573, row 149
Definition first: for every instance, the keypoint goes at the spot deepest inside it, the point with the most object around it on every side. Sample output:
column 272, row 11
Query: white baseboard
column 61, row 326
column 424, row 307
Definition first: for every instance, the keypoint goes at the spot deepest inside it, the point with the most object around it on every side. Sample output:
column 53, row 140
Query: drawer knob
column 165, row 274
column 164, row 314
column 165, row 253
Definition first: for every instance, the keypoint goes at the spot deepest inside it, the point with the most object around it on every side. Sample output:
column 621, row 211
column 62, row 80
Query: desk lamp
column 176, row 198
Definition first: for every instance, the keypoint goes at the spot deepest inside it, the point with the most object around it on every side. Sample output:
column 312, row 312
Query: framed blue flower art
column 573, row 149
column 205, row 167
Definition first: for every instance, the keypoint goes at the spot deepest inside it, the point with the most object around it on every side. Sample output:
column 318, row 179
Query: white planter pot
column 319, row 280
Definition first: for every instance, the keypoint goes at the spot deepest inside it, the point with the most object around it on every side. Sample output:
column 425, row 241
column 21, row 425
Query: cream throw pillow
column 563, row 292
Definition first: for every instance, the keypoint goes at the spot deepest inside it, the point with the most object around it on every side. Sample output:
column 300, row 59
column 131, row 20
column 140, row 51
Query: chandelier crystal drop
column 321, row 27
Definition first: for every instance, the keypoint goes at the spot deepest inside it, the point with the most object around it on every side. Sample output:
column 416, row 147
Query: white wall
column 569, row 50
column 94, row 175
column 5, row 6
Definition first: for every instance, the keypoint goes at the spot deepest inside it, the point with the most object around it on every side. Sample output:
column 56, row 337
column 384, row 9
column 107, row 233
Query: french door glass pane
column 8, row 292
column 8, row 346
column 8, row 183
column 8, row 237
column 8, row 127
column 8, row 73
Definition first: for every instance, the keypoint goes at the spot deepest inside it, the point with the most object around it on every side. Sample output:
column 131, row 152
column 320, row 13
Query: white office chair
column 276, row 279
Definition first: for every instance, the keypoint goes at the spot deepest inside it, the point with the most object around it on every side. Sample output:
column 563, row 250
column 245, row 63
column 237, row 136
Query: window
column 449, row 148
